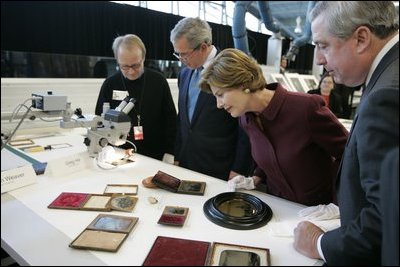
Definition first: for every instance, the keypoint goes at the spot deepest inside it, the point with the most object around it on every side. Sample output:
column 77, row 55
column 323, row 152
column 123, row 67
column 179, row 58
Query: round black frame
column 261, row 217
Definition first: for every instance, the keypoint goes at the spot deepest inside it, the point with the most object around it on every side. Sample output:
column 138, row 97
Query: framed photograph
column 124, row 189
column 174, row 215
column 123, row 203
column 280, row 78
column 192, row 187
column 310, row 82
column 294, row 81
column 105, row 233
column 236, row 255
column 113, row 223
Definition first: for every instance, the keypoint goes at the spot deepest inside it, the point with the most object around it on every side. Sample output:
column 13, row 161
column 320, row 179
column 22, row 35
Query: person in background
column 208, row 139
column 326, row 89
column 283, row 65
column 296, row 141
column 357, row 42
column 154, row 114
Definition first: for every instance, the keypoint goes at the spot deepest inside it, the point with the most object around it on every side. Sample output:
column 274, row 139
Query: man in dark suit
column 208, row 139
column 363, row 50
column 390, row 208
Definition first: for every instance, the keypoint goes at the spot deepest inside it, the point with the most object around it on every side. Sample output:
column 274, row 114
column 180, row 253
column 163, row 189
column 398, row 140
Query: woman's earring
column 246, row 91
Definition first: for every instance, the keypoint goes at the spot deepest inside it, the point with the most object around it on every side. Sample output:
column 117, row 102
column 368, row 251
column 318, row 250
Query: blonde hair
column 231, row 69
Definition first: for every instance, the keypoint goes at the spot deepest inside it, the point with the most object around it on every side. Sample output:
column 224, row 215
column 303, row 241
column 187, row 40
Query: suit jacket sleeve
column 358, row 240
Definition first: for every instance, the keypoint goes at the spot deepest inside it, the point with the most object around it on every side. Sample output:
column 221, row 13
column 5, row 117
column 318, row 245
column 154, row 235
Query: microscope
column 110, row 128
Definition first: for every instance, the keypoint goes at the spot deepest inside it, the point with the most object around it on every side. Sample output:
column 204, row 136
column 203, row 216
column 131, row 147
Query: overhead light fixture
column 298, row 26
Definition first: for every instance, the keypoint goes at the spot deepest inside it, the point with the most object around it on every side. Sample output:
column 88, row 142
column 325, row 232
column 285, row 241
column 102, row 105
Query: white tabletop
column 36, row 235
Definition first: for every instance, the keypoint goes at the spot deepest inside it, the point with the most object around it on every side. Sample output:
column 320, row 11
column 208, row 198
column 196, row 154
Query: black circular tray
column 237, row 210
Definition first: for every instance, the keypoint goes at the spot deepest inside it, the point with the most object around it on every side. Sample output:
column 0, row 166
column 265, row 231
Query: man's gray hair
column 195, row 30
column 344, row 17
column 128, row 41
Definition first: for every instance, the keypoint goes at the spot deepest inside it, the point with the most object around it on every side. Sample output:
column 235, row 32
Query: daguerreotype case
column 97, row 202
column 173, row 184
column 236, row 255
column 169, row 251
column 105, row 233
column 124, row 189
column 174, row 215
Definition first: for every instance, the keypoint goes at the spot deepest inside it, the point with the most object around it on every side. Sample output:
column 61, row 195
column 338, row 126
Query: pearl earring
column 246, row 91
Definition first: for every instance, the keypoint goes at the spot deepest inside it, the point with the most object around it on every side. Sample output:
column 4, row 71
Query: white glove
column 107, row 153
column 239, row 182
column 105, row 156
column 320, row 212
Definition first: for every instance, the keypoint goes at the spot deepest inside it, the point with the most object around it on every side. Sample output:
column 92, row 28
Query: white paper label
column 67, row 165
column 16, row 178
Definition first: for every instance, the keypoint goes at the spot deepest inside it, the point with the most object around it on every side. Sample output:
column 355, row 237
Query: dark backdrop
column 89, row 28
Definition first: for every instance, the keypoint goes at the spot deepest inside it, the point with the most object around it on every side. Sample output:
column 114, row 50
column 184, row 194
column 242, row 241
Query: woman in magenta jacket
column 296, row 141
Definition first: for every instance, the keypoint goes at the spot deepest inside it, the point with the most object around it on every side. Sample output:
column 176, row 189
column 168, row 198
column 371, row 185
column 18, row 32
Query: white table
column 34, row 235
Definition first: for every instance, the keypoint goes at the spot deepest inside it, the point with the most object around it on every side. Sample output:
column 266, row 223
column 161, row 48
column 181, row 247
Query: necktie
column 194, row 92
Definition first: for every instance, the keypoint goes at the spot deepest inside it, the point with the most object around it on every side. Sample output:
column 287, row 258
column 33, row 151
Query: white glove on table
column 320, row 212
column 240, row 182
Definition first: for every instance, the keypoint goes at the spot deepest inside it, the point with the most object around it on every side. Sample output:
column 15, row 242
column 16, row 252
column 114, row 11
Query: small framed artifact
column 237, row 210
column 173, row 184
column 169, row 251
column 96, row 202
column 174, row 215
column 236, row 255
column 105, row 233
column 191, row 187
column 125, row 189
column 123, row 203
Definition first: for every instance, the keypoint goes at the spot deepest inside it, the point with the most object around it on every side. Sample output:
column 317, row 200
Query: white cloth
column 320, row 212
column 240, row 182
column 106, row 155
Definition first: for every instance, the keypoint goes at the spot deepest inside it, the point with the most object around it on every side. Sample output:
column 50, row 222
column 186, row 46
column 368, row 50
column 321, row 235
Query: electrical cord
column 16, row 128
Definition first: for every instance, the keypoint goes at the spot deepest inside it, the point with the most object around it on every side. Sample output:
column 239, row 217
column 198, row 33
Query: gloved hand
column 104, row 157
column 107, row 153
column 239, row 182
column 320, row 212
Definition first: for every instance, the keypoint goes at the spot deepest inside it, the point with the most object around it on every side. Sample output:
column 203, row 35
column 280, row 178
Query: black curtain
column 89, row 28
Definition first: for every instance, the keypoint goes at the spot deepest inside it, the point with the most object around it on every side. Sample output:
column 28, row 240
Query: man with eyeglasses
column 153, row 119
column 208, row 139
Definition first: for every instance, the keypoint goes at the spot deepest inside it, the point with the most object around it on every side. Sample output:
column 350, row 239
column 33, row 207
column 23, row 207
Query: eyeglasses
column 133, row 66
column 186, row 55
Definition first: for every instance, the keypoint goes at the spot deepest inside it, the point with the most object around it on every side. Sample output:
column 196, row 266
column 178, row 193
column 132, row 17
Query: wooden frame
column 105, row 233
column 237, row 255
column 280, row 78
column 295, row 82
column 125, row 189
column 310, row 82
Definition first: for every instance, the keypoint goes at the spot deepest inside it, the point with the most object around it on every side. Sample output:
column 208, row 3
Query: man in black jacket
column 154, row 113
